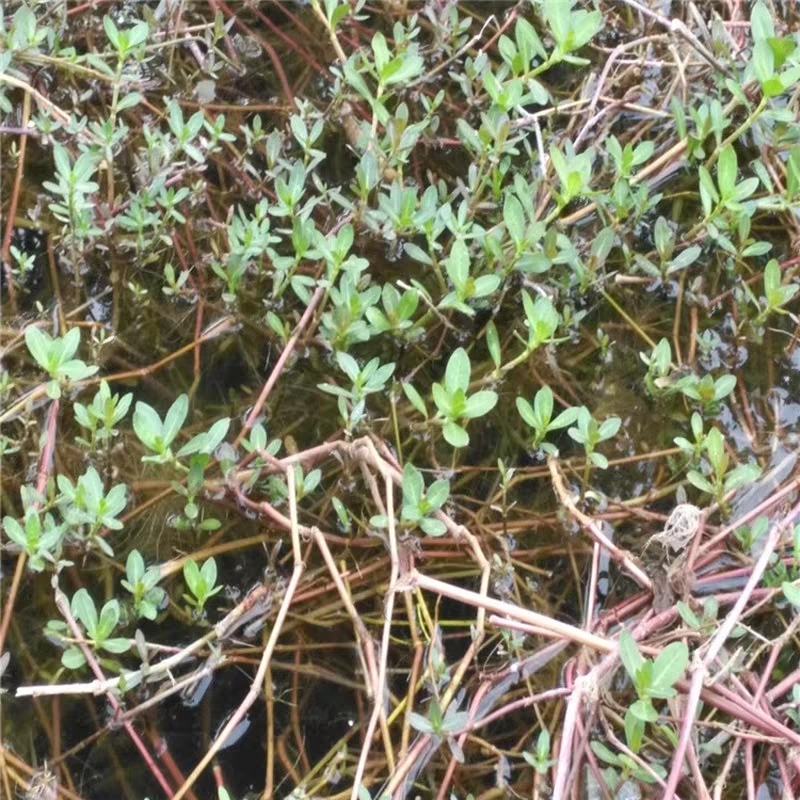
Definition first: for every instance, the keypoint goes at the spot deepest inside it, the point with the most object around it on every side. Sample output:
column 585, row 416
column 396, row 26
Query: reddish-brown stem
column 307, row 57
column 63, row 606
column 268, row 49
column 281, row 363
column 702, row 665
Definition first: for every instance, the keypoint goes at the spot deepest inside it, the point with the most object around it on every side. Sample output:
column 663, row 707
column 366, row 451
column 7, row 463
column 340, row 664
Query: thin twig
column 255, row 688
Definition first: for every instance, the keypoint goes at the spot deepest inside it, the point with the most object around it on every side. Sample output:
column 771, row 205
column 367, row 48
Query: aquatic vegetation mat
column 399, row 399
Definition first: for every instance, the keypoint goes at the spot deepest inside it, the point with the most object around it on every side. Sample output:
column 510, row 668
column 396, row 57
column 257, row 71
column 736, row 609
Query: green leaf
column 726, row 171
column 38, row 344
column 688, row 616
column 380, row 51
column 480, row 403
column 634, row 731
column 457, row 264
column 707, row 184
column 566, row 417
column 191, row 574
column 761, row 26
column 69, row 344
column 455, row 435
column 764, row 66
column 175, row 419
column 437, row 493
column 684, row 259
column 413, row 485
column 129, row 101
column 605, row 754
column 584, row 26
column 209, row 441
column 209, row 572
column 458, row 371
column 543, row 408
column 742, row 475
column 629, row 654
column 698, row 481
column 134, row 567
column 772, row 277
column 493, row 344
column 15, row 532
column 420, row 723
column 670, row 665
column 609, row 428
column 417, row 253
column 643, row 709
column 84, row 611
column 109, row 617
column 76, row 370
column 514, row 219
column 526, row 412
column 485, row 285
column 792, row 593
column 723, row 386
column 403, row 68
column 73, row 658
column 111, row 31
column 117, row 645
column 415, row 399
column 442, row 399
column 138, row 34
column 432, row 527
column 147, row 424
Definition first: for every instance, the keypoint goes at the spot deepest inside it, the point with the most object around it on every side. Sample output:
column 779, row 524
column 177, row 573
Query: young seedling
column 590, row 433
column 541, row 320
column 627, row 766
column 55, row 357
column 443, row 726
column 74, row 187
column 776, row 294
column 628, row 157
column 98, row 628
column 419, row 505
column 102, row 416
column 157, row 435
column 369, row 380
column 748, row 535
column 539, row 417
column 86, row 504
column 770, row 55
column 721, row 481
column 694, row 450
column 652, row 679
column 466, row 288
column 397, row 313
column 258, row 441
column 726, row 197
column 540, row 759
column 201, row 583
column 706, row 391
column 304, row 484
column 41, row 543
column 454, row 405
column 707, row 623
column 141, row 583
column 664, row 239
column 659, row 365
column 574, row 171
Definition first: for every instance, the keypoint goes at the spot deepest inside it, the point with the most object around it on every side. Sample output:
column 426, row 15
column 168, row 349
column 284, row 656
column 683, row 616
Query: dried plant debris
column 397, row 400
